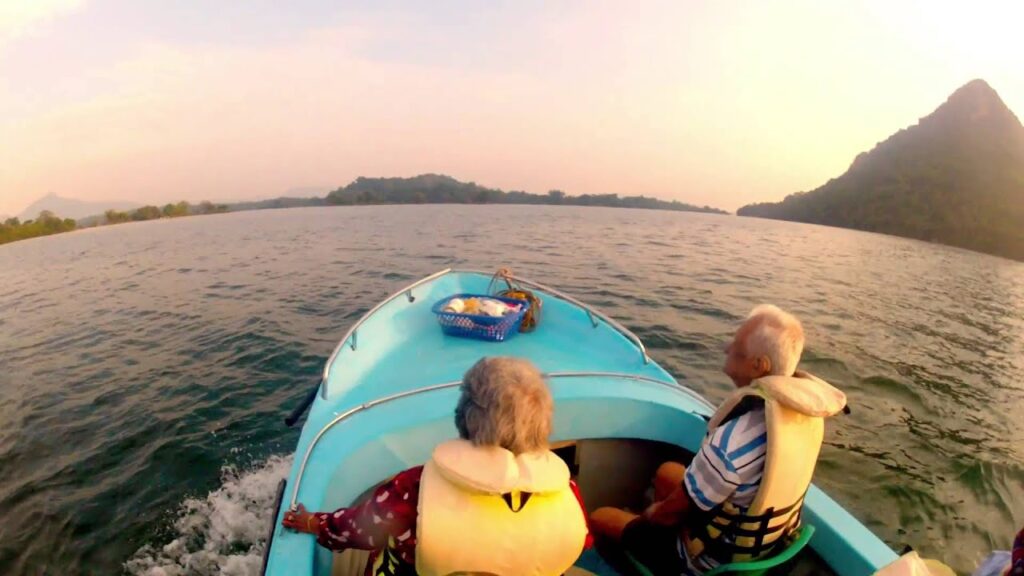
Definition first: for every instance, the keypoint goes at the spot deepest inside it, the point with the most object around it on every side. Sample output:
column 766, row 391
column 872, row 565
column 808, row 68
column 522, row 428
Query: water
column 145, row 368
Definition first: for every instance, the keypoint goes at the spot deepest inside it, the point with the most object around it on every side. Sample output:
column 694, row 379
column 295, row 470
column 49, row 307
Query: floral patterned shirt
column 388, row 515
column 1018, row 552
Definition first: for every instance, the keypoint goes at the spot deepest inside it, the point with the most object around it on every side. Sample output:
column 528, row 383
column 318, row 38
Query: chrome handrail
column 344, row 416
column 587, row 308
column 552, row 375
column 352, row 332
column 673, row 385
column 351, row 337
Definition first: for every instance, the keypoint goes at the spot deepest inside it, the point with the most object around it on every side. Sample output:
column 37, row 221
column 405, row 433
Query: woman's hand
column 670, row 511
column 659, row 514
column 301, row 520
column 651, row 512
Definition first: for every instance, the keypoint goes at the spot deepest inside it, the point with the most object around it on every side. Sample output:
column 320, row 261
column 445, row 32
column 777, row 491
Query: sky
column 720, row 103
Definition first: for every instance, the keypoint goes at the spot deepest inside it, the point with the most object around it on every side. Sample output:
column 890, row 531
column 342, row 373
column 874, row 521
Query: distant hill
column 71, row 208
column 441, row 189
column 282, row 202
column 426, row 188
column 298, row 197
column 306, row 191
column 956, row 177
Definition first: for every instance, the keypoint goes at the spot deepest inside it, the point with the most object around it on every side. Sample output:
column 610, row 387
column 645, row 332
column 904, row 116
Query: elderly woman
column 495, row 501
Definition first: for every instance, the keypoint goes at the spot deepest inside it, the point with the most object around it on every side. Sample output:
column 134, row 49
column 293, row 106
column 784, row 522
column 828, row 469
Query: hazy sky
column 719, row 103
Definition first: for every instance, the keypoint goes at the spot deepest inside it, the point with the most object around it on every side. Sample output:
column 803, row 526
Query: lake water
column 145, row 368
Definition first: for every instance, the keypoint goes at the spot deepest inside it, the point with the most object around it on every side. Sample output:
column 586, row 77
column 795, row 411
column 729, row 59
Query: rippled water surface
column 145, row 368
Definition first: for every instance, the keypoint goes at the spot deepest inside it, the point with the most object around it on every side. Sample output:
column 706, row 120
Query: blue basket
column 492, row 328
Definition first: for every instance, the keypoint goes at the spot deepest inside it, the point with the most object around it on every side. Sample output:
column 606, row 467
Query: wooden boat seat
column 349, row 563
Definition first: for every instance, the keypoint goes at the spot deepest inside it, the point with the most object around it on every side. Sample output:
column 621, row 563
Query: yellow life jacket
column 483, row 510
column 795, row 409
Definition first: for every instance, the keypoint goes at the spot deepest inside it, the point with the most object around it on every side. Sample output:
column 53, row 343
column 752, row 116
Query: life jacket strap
column 731, row 527
column 770, row 514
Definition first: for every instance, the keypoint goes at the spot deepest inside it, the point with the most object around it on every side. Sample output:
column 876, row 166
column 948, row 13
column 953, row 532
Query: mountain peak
column 976, row 86
column 977, row 102
column 71, row 207
column 956, row 177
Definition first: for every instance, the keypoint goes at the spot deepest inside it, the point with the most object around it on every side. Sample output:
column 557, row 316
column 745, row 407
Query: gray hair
column 777, row 335
column 505, row 402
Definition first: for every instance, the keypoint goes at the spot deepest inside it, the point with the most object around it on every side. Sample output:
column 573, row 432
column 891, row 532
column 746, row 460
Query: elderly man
column 741, row 496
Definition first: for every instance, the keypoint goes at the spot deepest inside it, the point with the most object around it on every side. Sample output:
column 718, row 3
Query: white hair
column 777, row 335
column 505, row 402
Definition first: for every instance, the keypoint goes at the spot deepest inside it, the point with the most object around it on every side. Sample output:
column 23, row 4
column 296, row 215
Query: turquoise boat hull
column 389, row 390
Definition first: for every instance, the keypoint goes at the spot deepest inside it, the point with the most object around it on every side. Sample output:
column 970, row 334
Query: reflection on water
column 140, row 360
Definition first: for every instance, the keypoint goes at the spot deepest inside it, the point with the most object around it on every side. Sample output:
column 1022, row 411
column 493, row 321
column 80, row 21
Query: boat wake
column 222, row 534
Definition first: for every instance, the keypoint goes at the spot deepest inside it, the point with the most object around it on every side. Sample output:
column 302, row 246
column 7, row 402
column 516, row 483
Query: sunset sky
column 719, row 103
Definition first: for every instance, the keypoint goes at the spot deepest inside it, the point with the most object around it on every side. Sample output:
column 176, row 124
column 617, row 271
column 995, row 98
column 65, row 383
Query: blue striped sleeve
column 749, row 447
column 710, row 479
column 729, row 464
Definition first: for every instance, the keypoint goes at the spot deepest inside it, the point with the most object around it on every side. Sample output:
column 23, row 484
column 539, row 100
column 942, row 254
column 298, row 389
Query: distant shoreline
column 417, row 190
column 231, row 209
column 48, row 223
column 442, row 189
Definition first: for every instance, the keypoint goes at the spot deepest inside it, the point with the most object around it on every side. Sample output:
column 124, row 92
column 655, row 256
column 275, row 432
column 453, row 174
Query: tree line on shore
column 168, row 211
column 422, row 189
column 47, row 223
column 13, row 229
column 441, row 189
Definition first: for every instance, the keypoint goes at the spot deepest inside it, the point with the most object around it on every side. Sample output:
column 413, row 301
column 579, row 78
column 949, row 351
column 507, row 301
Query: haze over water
column 147, row 367
column 720, row 103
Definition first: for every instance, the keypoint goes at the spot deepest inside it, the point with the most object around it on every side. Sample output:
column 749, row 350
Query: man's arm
column 710, row 480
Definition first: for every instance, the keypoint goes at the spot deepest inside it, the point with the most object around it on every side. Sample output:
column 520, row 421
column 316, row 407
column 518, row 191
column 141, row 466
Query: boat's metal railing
column 550, row 376
column 675, row 386
column 591, row 312
column 351, row 337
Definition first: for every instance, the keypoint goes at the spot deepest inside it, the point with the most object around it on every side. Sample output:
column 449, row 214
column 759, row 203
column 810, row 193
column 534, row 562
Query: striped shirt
column 728, row 467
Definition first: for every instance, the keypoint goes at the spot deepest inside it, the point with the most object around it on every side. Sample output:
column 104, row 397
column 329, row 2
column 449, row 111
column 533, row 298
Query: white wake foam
column 223, row 534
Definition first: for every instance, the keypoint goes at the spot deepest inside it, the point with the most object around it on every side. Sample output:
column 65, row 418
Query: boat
column 388, row 391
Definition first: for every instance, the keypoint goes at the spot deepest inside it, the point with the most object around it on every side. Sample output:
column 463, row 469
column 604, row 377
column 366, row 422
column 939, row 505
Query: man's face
column 739, row 366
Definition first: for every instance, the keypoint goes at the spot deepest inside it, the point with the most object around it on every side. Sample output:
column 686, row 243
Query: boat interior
column 609, row 472
column 386, row 401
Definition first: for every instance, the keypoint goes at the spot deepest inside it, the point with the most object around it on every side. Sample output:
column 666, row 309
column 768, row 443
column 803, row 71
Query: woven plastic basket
column 480, row 327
